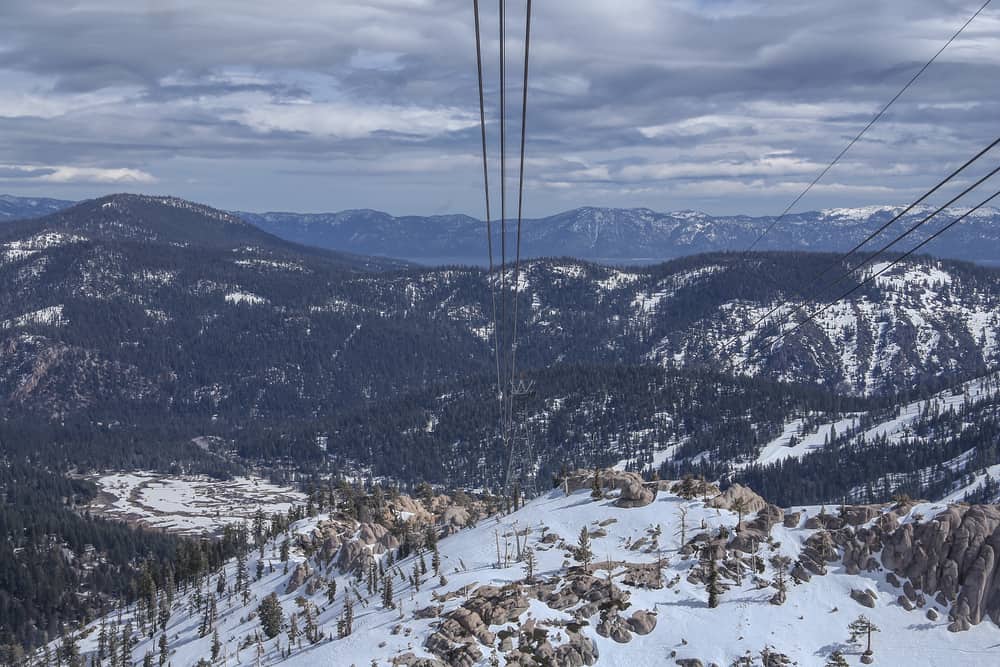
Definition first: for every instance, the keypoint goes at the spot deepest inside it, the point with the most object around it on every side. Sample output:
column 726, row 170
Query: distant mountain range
column 632, row 236
column 622, row 236
column 16, row 208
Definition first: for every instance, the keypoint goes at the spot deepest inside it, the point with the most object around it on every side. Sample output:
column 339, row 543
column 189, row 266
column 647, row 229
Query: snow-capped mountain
column 602, row 570
column 634, row 235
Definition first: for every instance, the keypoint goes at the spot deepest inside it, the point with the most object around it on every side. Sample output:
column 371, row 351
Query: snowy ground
column 808, row 627
column 188, row 505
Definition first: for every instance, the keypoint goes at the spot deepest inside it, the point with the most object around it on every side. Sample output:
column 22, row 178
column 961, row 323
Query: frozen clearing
column 779, row 449
column 188, row 505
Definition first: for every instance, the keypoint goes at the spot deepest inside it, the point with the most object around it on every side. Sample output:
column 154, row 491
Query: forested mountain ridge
column 130, row 301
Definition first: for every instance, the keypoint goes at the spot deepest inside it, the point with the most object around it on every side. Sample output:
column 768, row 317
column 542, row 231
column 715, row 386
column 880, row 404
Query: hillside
column 440, row 586
column 131, row 316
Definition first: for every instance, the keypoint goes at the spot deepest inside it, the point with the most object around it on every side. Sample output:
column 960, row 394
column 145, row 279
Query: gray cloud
column 726, row 105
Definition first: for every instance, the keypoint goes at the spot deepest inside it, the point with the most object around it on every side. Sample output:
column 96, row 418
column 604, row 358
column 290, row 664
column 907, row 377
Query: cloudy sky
column 316, row 105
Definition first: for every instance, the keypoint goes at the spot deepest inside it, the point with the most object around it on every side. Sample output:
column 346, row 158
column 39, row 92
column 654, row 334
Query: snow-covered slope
column 648, row 620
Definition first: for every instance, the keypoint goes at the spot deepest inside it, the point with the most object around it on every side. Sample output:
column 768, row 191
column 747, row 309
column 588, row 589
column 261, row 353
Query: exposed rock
column 455, row 655
column 585, row 588
column 905, row 603
column 824, row 521
column 725, row 500
column 792, row 519
column 690, row 662
column 893, row 580
column 609, row 478
column 472, row 623
column 635, row 494
column 313, row 584
column 352, row 556
column 410, row 660
column 642, row 622
column 864, row 597
column 455, row 518
column 496, row 606
column 431, row 611
column 855, row 515
column 818, row 550
column 954, row 557
column 767, row 517
column 932, row 615
column 642, row 575
column 800, row 573
column 299, row 576
column 577, row 652
column 859, row 546
column 692, row 487
column 411, row 509
column 613, row 626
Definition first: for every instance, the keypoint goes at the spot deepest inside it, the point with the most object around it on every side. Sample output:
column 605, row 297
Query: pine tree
column 164, row 649
column 102, row 641
column 713, row 585
column 69, row 651
column 345, row 625
column 271, row 616
column 284, row 551
column 436, row 561
column 530, row 561
column 164, row 613
column 127, row 644
column 583, row 552
column 311, row 628
column 113, row 645
column 216, row 645
column 836, row 659
column 596, row 492
column 331, row 591
column 862, row 626
column 740, row 507
column 147, row 660
column 387, row 601
column 780, row 564
column 293, row 629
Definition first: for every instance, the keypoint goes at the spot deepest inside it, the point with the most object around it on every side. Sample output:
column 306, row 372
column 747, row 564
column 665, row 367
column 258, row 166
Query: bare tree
column 682, row 513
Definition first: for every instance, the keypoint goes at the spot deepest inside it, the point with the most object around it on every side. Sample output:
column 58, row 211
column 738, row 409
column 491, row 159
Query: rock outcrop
column 735, row 493
column 299, row 576
column 636, row 494
column 953, row 555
